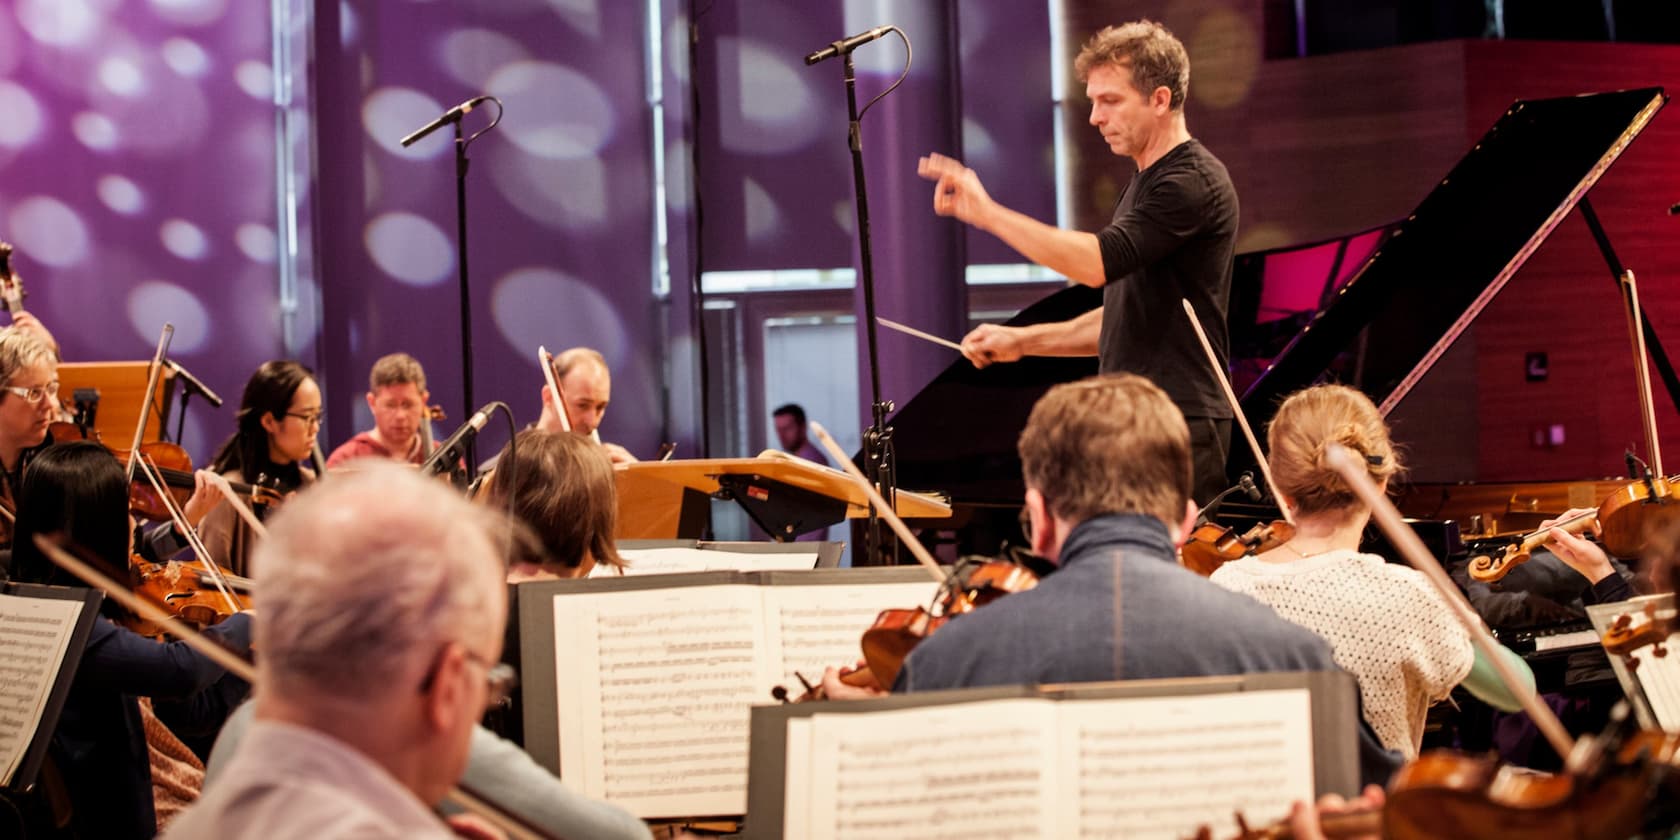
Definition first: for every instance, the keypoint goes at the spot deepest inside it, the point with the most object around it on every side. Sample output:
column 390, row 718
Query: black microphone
column 453, row 115
column 844, row 46
column 445, row 457
column 1674, row 209
column 193, row 384
column 1245, row 483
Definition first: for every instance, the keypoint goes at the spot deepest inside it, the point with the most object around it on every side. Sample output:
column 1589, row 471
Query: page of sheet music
column 34, row 633
column 654, row 689
column 1659, row 676
column 821, row 626
column 655, row 561
column 1159, row 767
column 970, row 770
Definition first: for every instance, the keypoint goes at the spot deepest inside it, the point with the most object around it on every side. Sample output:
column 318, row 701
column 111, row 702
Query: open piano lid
column 1446, row 261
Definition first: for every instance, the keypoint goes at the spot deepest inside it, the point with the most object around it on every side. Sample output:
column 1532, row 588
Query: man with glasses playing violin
column 382, row 606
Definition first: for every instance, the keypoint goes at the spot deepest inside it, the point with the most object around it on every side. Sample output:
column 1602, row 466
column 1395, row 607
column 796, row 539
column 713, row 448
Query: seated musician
column 1385, row 622
column 562, row 487
column 340, row 741
column 397, row 396
column 101, row 744
column 28, row 405
column 582, row 374
column 279, row 416
column 1107, row 467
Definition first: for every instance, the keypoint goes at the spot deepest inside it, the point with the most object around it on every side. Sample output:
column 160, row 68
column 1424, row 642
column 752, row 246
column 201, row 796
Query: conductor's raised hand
column 957, row 190
column 990, row 343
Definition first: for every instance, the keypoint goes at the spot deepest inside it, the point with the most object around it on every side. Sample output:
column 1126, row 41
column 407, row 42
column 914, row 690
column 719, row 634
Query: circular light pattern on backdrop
column 120, row 76
column 96, row 131
column 255, row 78
column 410, row 248
column 257, row 242
column 121, row 195
column 21, row 123
column 190, row 12
column 155, row 303
column 184, row 239
column 577, row 129
column 49, row 231
column 776, row 103
column 471, row 56
column 186, row 57
column 569, row 194
column 389, row 114
column 61, row 23
column 541, row 306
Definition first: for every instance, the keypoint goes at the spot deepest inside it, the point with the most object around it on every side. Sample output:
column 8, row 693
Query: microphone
column 845, row 46
column 193, row 384
column 1245, row 483
column 445, row 457
column 453, row 115
column 1674, row 209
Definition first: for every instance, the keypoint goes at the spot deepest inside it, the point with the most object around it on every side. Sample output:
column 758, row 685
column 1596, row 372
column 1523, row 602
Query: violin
column 1627, row 634
column 1623, row 519
column 1491, row 567
column 174, row 466
column 1212, row 545
column 185, row 591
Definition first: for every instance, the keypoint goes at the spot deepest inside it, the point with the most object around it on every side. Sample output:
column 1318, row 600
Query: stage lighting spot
column 49, row 231
column 561, row 194
column 390, row 114
column 256, row 242
column 155, row 303
column 541, row 306
column 1228, row 47
column 21, row 124
column 256, row 79
column 190, row 12
column 121, row 195
column 347, row 24
column 775, row 99
column 60, row 23
column 472, row 55
column 410, row 249
column 184, row 239
column 582, row 15
column 185, row 57
column 121, row 77
column 978, row 146
column 563, row 114
column 764, row 218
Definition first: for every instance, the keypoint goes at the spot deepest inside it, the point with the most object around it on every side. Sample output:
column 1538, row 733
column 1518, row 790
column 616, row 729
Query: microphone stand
column 466, row 295
column 877, row 440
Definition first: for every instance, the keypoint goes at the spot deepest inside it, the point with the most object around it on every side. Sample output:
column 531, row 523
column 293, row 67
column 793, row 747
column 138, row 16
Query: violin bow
column 154, row 372
column 1236, row 410
column 1642, row 372
column 179, row 517
column 1352, row 469
column 243, row 509
column 546, row 360
column 840, row 457
column 240, row 668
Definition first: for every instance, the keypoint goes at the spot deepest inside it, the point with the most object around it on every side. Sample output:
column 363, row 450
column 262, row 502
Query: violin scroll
column 1627, row 634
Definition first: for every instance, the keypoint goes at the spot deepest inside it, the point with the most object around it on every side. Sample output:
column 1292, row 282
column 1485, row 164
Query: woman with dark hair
column 100, row 746
column 279, row 417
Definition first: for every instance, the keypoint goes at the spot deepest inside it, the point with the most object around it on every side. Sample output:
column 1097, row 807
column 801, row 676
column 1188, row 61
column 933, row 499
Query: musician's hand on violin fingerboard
column 837, row 690
column 1581, row 555
column 205, row 497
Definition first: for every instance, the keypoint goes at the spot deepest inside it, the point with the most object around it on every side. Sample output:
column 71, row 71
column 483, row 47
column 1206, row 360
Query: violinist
column 28, row 405
column 383, row 606
column 495, row 765
column 1384, row 622
column 398, row 398
column 1107, row 467
column 279, row 417
column 101, row 744
column 582, row 375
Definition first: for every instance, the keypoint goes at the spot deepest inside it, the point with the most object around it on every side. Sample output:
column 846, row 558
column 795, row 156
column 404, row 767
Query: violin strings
column 187, row 530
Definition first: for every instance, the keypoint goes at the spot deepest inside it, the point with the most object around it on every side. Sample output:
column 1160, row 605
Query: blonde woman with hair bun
column 1383, row 621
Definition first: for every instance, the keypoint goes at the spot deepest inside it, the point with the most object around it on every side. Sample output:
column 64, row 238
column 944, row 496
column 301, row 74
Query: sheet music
column 654, row 692
column 966, row 770
column 1654, row 686
column 654, row 561
column 34, row 633
column 1160, row 767
column 819, row 626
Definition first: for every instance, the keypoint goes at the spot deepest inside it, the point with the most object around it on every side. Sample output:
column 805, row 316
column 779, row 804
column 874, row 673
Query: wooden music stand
column 666, row 499
column 121, row 387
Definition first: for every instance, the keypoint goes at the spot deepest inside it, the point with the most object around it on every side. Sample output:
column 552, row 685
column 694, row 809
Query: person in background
column 582, row 374
column 398, row 398
column 791, row 433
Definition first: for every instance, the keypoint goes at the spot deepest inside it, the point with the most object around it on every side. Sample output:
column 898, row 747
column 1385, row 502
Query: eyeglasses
column 36, row 394
column 309, row 419
column 500, row 679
